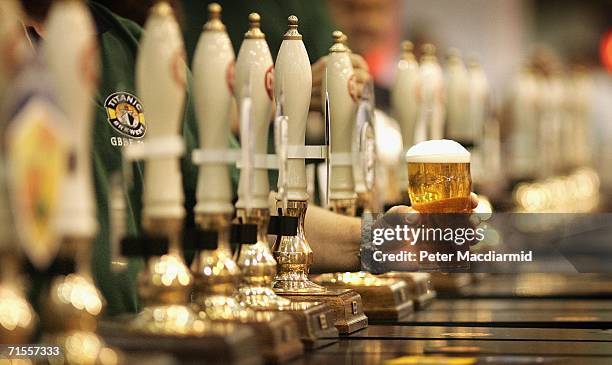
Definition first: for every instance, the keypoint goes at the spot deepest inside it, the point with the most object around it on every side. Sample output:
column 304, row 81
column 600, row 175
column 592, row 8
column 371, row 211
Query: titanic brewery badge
column 125, row 114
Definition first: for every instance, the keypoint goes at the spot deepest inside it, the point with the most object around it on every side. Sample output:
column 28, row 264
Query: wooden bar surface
column 382, row 332
column 349, row 347
column 316, row 358
column 540, row 286
column 517, row 318
column 520, row 304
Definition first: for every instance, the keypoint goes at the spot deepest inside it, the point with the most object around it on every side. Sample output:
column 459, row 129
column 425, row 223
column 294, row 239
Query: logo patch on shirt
column 125, row 114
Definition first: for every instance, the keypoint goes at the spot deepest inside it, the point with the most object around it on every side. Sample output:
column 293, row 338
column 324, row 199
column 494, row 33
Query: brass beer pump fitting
column 166, row 279
column 293, row 33
column 339, row 40
column 18, row 317
column 216, row 273
column 293, row 253
column 258, row 264
column 291, row 249
column 429, row 52
column 253, row 255
column 217, row 276
column 165, row 283
column 254, row 31
column 294, row 256
column 407, row 50
column 214, row 22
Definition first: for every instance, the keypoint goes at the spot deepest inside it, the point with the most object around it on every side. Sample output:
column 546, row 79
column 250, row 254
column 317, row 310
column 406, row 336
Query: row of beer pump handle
column 161, row 82
column 214, row 59
column 256, row 84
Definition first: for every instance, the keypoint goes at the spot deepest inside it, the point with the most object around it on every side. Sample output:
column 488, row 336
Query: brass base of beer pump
column 345, row 303
column 84, row 347
column 216, row 279
column 383, row 298
column 420, row 288
column 17, row 317
column 169, row 322
column 70, row 319
column 258, row 265
column 294, row 258
column 164, row 286
column 276, row 333
column 71, row 309
column 206, row 342
column 314, row 320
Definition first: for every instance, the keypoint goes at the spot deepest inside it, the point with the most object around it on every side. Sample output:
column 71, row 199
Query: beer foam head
column 438, row 151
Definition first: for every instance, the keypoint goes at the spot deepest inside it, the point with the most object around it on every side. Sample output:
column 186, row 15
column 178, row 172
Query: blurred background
column 542, row 113
column 563, row 40
column 565, row 45
column 561, row 51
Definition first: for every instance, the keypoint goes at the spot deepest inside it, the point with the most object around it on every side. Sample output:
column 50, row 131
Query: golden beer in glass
column 439, row 179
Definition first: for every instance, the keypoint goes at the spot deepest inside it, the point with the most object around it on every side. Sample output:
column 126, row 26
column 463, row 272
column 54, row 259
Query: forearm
column 335, row 240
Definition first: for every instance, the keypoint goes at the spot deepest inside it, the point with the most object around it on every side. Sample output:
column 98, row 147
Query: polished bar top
column 520, row 304
column 533, row 329
column 382, row 332
column 399, row 347
column 540, row 286
column 512, row 318
column 375, row 359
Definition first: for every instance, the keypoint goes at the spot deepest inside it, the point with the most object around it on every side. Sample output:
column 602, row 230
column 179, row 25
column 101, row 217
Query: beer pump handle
column 432, row 108
column 161, row 82
column 213, row 70
column 247, row 145
column 327, row 117
column 280, row 142
column 479, row 100
column 280, row 102
column 281, row 145
column 254, row 73
column 293, row 68
column 117, row 216
column 405, row 96
column 365, row 141
column 341, row 103
column 74, row 71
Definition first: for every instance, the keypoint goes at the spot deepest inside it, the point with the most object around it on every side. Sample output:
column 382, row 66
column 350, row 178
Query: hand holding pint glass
column 439, row 182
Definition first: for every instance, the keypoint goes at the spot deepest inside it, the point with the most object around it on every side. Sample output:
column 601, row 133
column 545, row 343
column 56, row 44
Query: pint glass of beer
column 439, row 179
